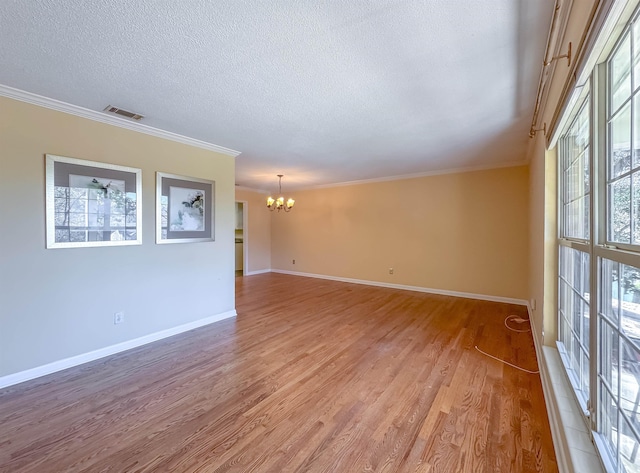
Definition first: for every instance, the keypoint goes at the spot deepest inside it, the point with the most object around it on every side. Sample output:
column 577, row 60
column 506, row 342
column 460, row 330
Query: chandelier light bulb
column 279, row 203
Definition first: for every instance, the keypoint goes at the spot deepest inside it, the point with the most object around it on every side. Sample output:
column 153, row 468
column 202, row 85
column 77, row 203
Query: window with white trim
column 574, row 253
column 599, row 252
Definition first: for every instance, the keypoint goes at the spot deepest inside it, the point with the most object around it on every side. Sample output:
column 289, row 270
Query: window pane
column 636, row 131
column 586, row 179
column 630, row 294
column 576, row 177
column 584, row 208
column 584, row 329
column 609, row 295
column 572, row 179
column 636, row 55
column 619, row 360
column 577, row 316
column 629, row 373
column 621, row 74
column 573, row 316
column 629, row 451
column 586, row 280
column 620, row 161
column 577, row 218
column 619, row 210
column 584, row 373
column 569, row 219
column 609, row 423
column 608, row 369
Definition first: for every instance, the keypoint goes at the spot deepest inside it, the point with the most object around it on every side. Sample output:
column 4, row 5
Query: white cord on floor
column 507, row 363
column 517, row 320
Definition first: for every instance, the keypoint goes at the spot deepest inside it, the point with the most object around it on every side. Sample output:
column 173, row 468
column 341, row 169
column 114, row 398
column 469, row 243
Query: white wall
column 59, row 303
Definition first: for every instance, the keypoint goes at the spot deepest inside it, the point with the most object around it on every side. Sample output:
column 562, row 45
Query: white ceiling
column 321, row 91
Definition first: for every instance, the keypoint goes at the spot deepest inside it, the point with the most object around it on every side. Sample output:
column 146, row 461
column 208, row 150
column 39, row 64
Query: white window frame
column 600, row 247
column 580, row 244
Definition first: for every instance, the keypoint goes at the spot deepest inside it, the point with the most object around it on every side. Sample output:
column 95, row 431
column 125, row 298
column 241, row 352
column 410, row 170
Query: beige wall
column 258, row 231
column 465, row 232
column 543, row 243
column 59, row 303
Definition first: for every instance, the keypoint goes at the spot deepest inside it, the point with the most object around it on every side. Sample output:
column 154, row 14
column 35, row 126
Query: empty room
column 345, row 236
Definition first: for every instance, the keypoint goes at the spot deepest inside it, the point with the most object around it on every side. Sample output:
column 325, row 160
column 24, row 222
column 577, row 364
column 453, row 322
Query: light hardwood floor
column 312, row 376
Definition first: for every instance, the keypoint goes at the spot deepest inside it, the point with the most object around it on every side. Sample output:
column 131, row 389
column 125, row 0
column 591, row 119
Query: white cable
column 517, row 320
column 507, row 363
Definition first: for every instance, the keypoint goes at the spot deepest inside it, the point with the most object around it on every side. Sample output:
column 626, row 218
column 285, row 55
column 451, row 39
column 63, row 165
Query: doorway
column 240, row 240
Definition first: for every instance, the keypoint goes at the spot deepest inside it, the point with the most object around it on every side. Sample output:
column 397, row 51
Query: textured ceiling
column 321, row 91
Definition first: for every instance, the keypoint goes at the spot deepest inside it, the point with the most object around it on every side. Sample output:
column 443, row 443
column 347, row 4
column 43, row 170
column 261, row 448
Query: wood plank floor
column 312, row 376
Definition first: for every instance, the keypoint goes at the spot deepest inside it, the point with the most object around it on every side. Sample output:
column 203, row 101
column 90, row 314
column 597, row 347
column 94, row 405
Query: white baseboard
column 60, row 365
column 442, row 292
column 260, row 271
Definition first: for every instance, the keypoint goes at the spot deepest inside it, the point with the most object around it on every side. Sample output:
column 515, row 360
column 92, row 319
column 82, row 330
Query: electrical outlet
column 118, row 318
column 293, row 261
column 390, row 270
column 532, row 303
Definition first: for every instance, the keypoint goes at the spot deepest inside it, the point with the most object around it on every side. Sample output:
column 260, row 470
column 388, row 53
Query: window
column 599, row 253
column 619, row 363
column 576, row 177
column 623, row 122
column 618, row 315
column 573, row 318
column 574, row 253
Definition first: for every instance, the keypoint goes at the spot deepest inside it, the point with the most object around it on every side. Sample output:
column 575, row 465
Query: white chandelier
column 279, row 203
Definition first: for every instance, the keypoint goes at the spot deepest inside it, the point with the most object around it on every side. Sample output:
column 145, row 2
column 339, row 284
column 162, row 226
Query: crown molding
column 251, row 189
column 102, row 117
column 414, row 176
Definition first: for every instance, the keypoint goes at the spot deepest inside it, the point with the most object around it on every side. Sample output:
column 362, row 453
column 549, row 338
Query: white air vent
column 123, row 113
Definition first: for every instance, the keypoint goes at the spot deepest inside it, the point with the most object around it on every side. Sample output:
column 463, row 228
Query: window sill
column 572, row 437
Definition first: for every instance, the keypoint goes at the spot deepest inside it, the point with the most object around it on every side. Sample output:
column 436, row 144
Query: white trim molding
column 103, row 117
column 563, row 457
column 251, row 189
column 259, row 271
column 573, row 442
column 402, row 177
column 70, row 362
column 442, row 292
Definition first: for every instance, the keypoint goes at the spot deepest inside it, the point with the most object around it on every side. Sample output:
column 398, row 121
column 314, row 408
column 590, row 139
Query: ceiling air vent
column 123, row 113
